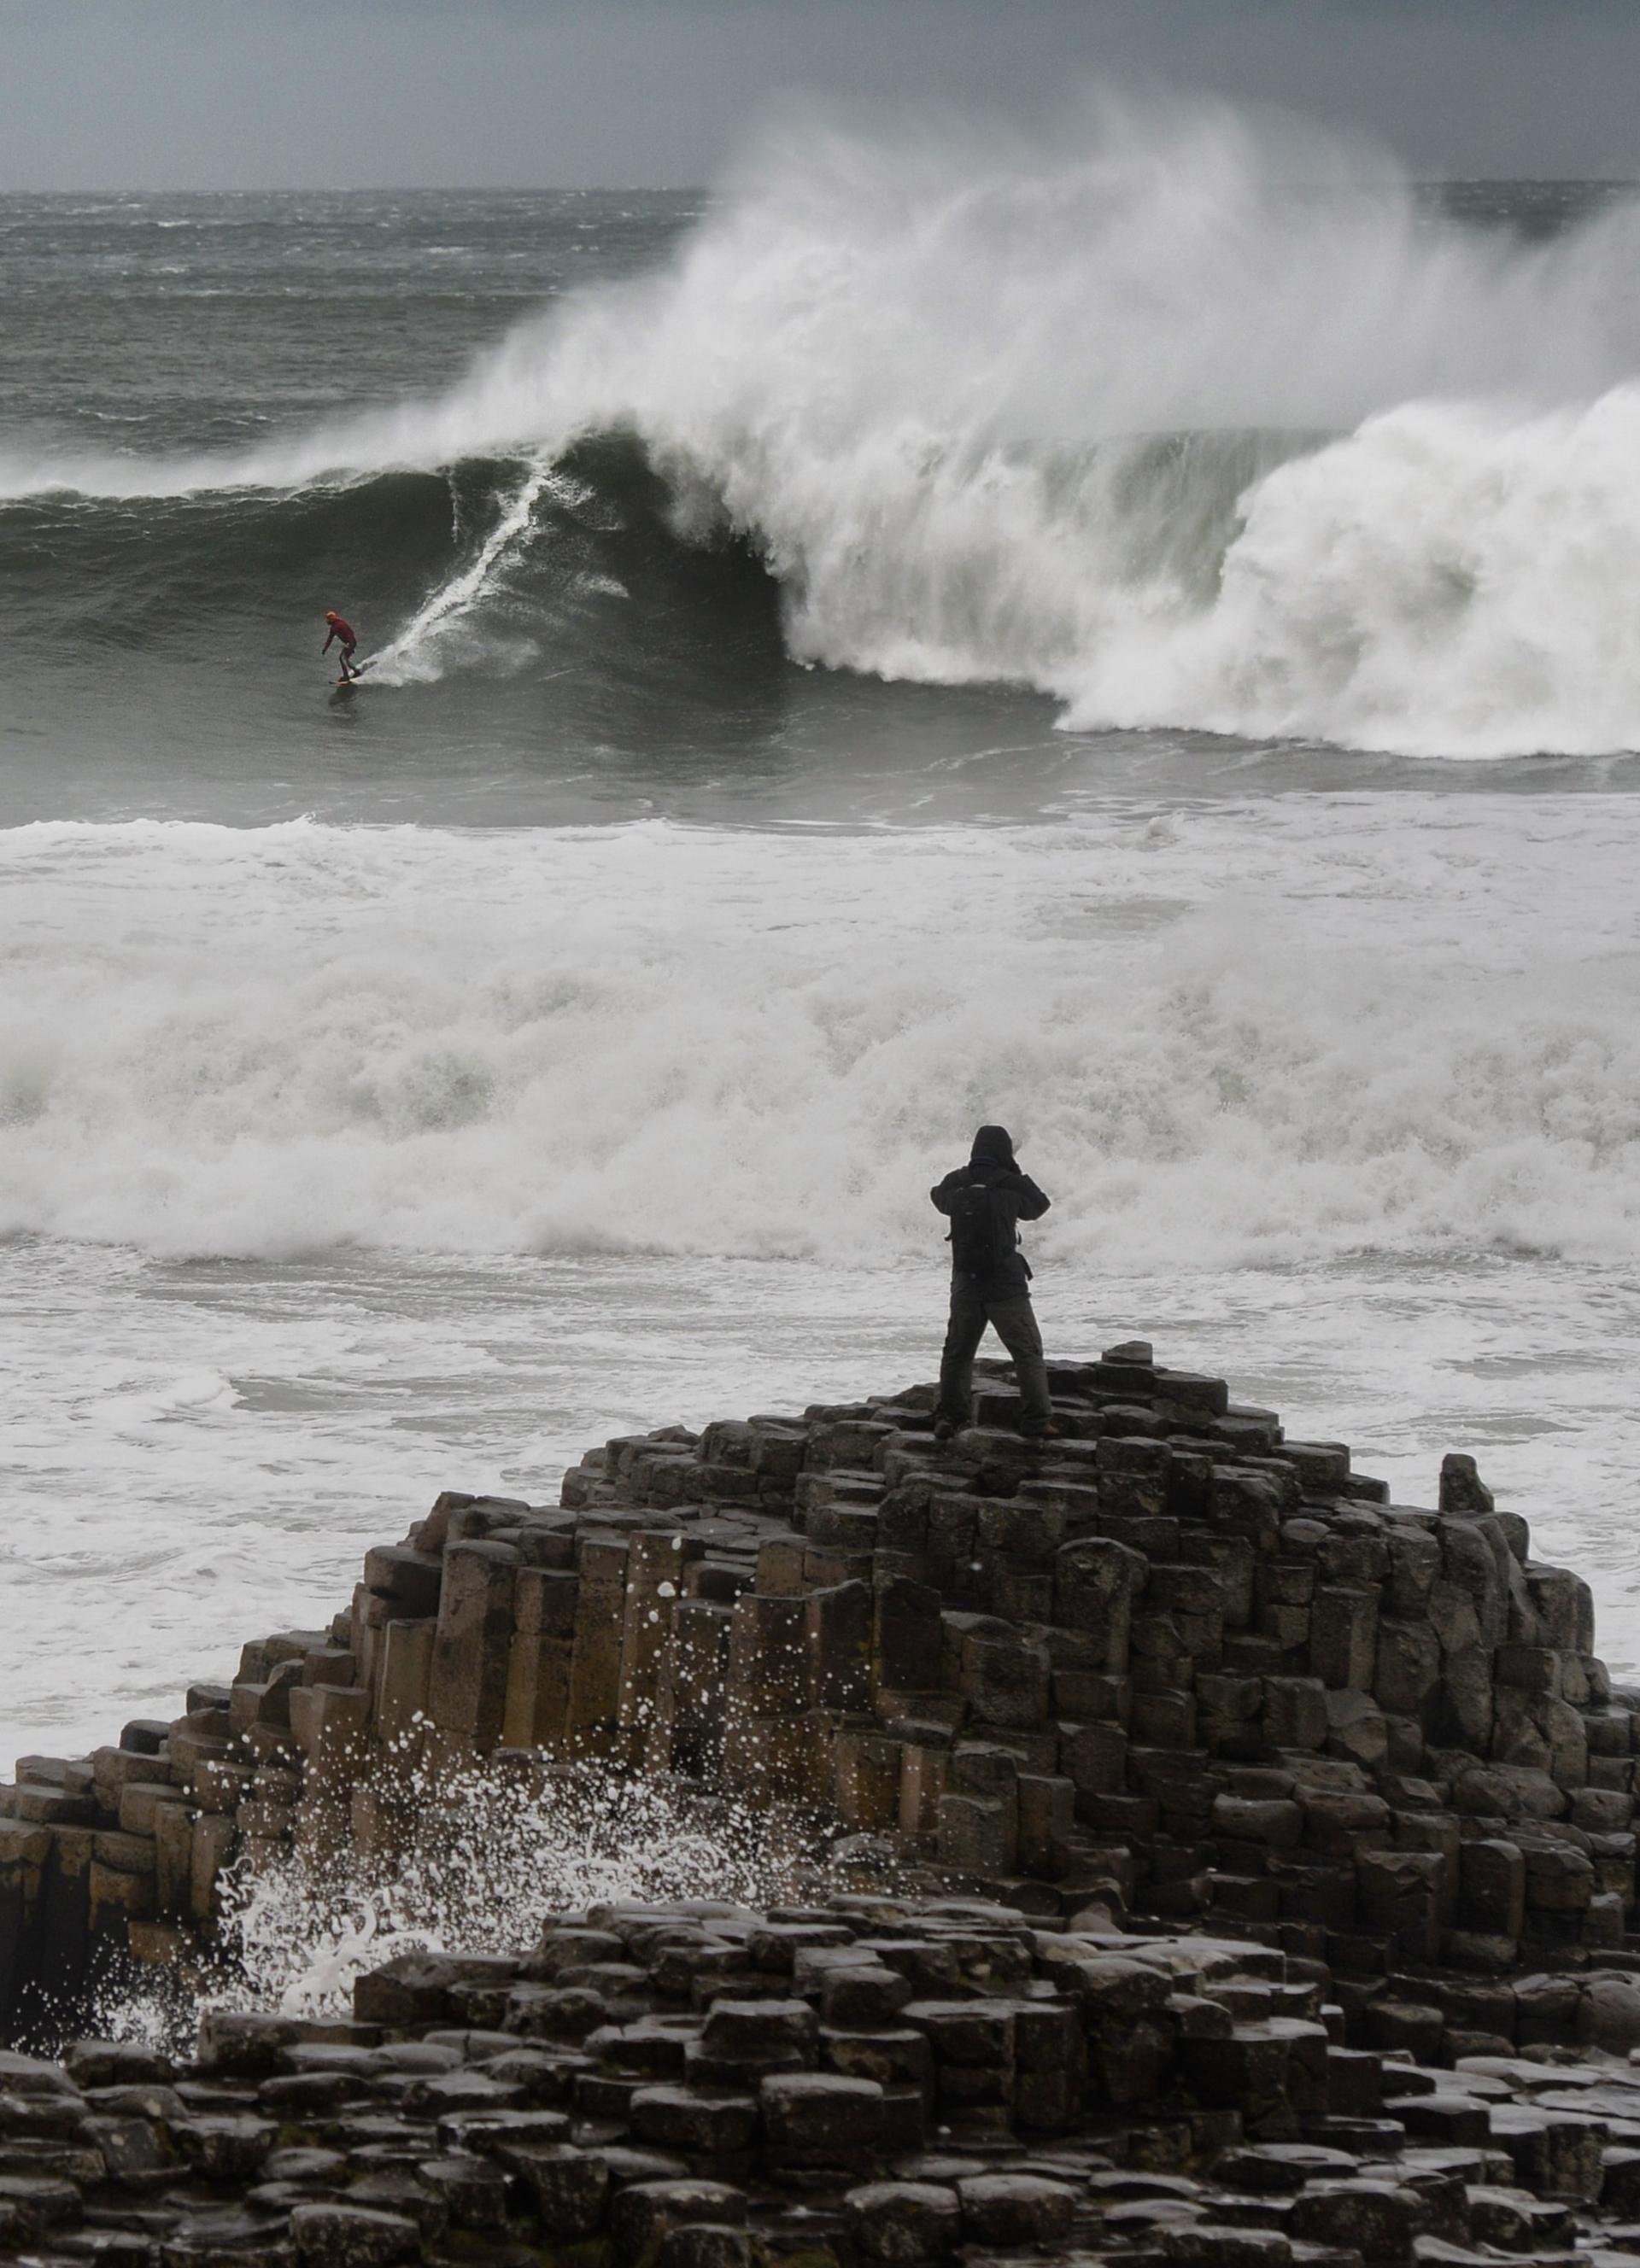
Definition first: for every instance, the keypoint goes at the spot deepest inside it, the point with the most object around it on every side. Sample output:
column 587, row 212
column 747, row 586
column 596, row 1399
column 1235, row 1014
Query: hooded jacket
column 991, row 1164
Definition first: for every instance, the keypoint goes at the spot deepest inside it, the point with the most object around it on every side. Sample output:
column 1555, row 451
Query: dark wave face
column 167, row 651
column 161, row 652
column 560, row 568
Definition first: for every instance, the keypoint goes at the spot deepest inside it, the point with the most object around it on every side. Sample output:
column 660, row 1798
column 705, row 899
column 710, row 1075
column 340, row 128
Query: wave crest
column 1184, row 418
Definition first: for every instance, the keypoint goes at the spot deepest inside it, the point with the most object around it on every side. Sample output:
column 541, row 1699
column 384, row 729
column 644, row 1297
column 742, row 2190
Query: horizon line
column 1421, row 179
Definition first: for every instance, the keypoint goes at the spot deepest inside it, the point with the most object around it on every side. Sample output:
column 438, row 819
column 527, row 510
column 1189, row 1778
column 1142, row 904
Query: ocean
column 1138, row 639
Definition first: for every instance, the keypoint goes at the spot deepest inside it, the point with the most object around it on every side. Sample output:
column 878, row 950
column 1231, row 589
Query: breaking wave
column 1183, row 418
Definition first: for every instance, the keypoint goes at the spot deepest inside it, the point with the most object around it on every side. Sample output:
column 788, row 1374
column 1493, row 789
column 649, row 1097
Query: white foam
column 128, row 1406
column 1279, row 1032
column 1054, row 412
column 1449, row 579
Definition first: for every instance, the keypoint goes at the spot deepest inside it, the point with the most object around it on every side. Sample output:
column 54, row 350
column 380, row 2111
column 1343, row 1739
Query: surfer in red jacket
column 341, row 630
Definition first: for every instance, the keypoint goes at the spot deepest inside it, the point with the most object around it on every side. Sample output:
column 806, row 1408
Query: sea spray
column 469, row 1859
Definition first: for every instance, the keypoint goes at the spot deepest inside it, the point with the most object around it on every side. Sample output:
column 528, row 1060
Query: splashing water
column 471, row 1861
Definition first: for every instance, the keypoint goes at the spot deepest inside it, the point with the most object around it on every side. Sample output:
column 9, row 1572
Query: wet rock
column 135, row 2153
column 641, row 2215
column 1557, row 2153
column 821, row 2116
column 1608, row 2014
column 1013, row 2209
column 304, row 2163
column 400, row 2191
column 416, row 1987
column 472, row 2190
column 26, row 2077
column 115, row 2063
column 351, row 2237
column 864, row 1995
column 554, row 2012
column 1514, row 2221
column 751, row 2033
column 904, row 2222
column 703, row 2244
column 1375, row 2218
column 1216, row 2245
column 232, row 2149
column 567, row 2188
column 241, row 2046
column 680, row 2118
column 484, row 2132
column 1283, row 2166
column 453, row 2091
column 33, row 2204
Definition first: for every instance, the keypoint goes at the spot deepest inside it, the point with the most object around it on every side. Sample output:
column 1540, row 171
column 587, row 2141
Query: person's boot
column 944, row 1429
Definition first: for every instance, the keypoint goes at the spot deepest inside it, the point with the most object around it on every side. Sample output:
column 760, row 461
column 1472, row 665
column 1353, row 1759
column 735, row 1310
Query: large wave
column 1279, row 1033
column 1180, row 417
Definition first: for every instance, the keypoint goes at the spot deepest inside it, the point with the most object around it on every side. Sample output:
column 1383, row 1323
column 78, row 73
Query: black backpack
column 983, row 1239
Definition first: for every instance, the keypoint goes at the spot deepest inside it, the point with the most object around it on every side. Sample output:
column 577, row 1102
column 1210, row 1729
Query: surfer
column 341, row 630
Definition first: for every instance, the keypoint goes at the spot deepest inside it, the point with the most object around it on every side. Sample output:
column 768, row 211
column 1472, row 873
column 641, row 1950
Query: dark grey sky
column 267, row 93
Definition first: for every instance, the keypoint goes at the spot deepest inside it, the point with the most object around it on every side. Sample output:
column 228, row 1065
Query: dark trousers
column 1012, row 1317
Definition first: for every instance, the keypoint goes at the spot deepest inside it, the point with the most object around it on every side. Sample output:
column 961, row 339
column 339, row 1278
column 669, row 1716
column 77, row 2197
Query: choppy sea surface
column 1139, row 639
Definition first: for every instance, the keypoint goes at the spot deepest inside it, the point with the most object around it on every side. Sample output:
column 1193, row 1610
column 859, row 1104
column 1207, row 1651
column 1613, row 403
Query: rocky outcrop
column 1270, row 1820
column 868, row 2080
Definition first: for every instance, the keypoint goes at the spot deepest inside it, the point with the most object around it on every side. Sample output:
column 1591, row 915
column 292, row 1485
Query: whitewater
column 265, row 1044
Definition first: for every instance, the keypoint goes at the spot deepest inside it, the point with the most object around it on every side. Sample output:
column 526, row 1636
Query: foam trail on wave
column 417, row 655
